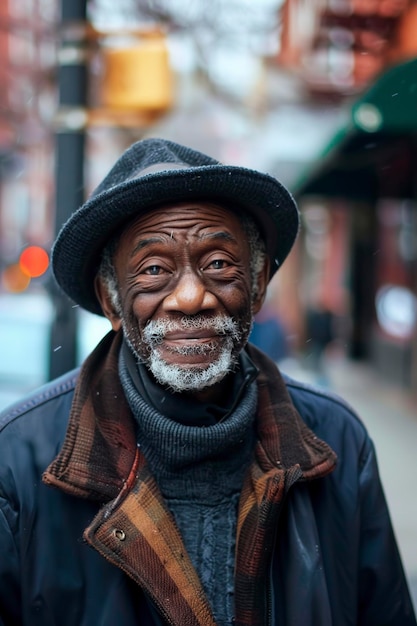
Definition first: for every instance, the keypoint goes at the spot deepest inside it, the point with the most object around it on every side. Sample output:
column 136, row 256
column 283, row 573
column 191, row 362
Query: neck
column 219, row 393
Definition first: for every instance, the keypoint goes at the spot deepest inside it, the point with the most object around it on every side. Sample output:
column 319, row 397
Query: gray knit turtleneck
column 199, row 471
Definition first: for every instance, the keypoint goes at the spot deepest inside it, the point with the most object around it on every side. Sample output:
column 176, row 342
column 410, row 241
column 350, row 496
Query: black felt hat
column 153, row 172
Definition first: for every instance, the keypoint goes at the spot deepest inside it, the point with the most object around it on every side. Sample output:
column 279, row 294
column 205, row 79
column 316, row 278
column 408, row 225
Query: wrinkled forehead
column 185, row 215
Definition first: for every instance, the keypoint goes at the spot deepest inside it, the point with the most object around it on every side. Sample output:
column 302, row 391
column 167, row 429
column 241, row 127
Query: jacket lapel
column 100, row 444
column 286, row 451
column 284, row 438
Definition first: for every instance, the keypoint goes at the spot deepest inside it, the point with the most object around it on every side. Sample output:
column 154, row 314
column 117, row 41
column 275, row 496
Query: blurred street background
column 321, row 94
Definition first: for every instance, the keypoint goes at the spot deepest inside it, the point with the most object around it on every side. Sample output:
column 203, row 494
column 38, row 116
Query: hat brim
column 77, row 251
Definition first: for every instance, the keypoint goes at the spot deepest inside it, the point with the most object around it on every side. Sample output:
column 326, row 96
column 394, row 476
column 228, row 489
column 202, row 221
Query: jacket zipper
column 269, row 587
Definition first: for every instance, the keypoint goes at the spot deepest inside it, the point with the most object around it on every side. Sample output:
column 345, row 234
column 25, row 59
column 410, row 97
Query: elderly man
column 177, row 478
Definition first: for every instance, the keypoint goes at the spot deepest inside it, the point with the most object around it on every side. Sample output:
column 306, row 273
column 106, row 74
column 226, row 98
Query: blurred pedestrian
column 177, row 477
column 269, row 334
column 320, row 333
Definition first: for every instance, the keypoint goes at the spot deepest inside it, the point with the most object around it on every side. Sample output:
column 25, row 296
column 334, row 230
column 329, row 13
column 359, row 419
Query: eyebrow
column 221, row 234
column 145, row 242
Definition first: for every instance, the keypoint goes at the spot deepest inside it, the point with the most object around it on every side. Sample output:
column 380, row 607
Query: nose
column 189, row 295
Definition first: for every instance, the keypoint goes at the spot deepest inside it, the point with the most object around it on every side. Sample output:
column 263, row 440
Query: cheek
column 142, row 308
column 235, row 296
column 135, row 304
column 132, row 312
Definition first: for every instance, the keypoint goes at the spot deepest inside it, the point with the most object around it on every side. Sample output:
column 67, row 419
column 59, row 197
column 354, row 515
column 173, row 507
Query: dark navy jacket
column 335, row 563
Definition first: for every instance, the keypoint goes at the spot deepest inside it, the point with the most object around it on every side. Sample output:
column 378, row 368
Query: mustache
column 222, row 325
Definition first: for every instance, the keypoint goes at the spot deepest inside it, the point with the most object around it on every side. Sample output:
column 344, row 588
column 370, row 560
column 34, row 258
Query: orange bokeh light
column 14, row 280
column 34, row 261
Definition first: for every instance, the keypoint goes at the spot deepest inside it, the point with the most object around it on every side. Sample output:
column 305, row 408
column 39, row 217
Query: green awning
column 375, row 153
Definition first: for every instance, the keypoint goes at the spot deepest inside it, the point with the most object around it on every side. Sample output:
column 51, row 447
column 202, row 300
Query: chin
column 190, row 377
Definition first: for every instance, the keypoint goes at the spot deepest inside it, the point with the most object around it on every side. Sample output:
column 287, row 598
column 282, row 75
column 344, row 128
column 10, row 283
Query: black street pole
column 70, row 131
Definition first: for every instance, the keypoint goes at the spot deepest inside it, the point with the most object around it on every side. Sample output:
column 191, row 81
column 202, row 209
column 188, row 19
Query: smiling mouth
column 194, row 335
column 191, row 344
column 195, row 344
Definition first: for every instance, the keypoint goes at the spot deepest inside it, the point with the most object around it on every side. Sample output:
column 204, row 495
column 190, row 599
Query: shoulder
column 43, row 401
column 31, row 433
column 330, row 417
column 315, row 398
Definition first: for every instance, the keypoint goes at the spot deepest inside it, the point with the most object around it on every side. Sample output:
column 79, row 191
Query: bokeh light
column 34, row 261
column 13, row 279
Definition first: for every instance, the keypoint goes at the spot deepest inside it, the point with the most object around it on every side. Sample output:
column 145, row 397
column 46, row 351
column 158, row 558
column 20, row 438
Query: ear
column 106, row 303
column 262, row 279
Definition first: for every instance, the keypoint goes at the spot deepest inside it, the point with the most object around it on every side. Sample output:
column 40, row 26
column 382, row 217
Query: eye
column 217, row 264
column 153, row 270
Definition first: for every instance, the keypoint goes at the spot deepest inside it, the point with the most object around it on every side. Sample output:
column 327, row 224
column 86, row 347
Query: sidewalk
column 390, row 414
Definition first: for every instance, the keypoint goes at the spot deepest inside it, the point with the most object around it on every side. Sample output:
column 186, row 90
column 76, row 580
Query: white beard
column 192, row 378
column 182, row 379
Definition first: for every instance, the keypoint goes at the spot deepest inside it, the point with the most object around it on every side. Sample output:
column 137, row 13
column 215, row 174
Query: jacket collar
column 99, row 450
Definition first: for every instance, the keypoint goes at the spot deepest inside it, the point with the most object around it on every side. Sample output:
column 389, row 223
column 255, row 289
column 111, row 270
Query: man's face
column 185, row 292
